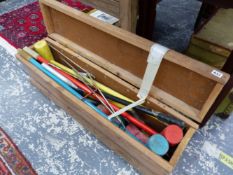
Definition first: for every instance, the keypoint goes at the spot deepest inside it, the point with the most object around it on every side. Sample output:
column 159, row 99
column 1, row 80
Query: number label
column 217, row 73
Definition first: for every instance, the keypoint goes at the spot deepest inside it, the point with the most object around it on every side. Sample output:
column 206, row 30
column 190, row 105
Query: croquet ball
column 173, row 134
column 158, row 144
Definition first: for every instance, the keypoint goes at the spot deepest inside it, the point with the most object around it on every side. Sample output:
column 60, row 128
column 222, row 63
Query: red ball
column 173, row 134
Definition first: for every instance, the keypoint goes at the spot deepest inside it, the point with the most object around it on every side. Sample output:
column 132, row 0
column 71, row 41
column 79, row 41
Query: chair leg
column 228, row 66
column 147, row 14
column 205, row 14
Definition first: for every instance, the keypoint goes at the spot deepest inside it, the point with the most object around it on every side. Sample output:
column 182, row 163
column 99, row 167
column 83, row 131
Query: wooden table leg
column 205, row 14
column 228, row 66
column 208, row 9
column 147, row 14
column 220, row 4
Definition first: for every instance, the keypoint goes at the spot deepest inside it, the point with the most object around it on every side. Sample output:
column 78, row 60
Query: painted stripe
column 59, row 75
column 226, row 159
column 212, row 150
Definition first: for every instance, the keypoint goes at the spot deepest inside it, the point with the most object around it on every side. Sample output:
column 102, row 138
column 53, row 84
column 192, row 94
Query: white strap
column 154, row 60
column 126, row 108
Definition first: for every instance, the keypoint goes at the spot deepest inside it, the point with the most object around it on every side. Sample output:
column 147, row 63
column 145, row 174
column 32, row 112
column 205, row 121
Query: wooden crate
column 183, row 86
column 125, row 10
column 213, row 44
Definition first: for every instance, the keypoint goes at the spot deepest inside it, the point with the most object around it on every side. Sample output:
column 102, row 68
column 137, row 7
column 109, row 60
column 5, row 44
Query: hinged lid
column 185, row 84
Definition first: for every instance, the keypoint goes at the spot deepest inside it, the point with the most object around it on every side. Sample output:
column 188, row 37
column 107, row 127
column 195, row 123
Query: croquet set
column 141, row 99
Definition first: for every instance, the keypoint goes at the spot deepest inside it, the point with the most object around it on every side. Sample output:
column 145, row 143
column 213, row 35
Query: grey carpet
column 10, row 5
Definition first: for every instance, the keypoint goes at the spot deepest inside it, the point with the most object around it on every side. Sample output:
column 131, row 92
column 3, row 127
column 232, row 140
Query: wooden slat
column 175, row 103
column 47, row 15
column 206, row 56
column 133, row 151
column 196, row 66
column 128, row 14
column 219, row 50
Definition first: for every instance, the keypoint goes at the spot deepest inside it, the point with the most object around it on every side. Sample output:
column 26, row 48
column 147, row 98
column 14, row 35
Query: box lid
column 182, row 83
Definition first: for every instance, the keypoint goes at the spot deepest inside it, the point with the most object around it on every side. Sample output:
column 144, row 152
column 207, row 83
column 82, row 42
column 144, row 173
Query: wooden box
column 213, row 43
column 184, row 88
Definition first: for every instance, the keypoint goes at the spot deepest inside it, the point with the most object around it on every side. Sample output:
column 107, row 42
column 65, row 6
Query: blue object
column 158, row 144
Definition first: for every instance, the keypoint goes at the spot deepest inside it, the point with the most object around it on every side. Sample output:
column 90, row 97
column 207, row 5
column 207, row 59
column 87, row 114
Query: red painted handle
column 42, row 60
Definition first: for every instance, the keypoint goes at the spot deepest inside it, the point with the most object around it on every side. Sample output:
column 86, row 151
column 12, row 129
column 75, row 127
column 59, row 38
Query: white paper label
column 217, row 73
column 104, row 17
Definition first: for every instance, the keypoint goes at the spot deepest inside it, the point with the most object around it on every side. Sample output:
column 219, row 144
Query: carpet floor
column 24, row 26
column 12, row 160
